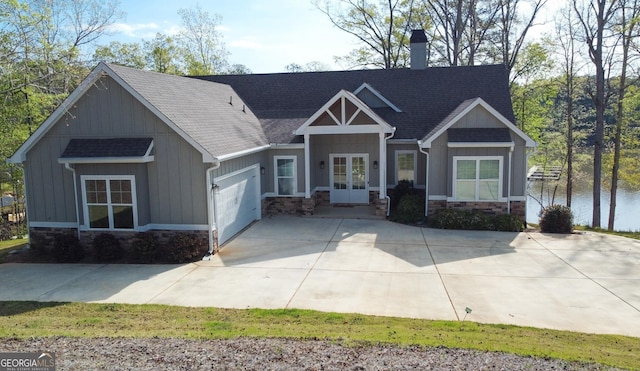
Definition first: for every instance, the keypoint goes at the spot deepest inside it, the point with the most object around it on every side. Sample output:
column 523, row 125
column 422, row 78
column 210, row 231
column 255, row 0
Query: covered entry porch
column 345, row 152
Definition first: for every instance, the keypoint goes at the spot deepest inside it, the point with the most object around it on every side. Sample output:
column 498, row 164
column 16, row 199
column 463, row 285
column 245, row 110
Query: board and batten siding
column 441, row 157
column 232, row 165
column 324, row 145
column 391, row 164
column 176, row 179
column 270, row 171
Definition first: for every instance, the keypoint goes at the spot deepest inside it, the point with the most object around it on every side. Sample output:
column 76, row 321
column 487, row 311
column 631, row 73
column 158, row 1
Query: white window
column 109, row 202
column 285, row 175
column 406, row 165
column 477, row 178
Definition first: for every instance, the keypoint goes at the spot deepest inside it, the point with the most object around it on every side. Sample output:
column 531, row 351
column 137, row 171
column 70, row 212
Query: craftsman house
column 133, row 150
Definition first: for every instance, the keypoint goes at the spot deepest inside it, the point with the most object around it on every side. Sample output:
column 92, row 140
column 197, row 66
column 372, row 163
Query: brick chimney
column 418, row 50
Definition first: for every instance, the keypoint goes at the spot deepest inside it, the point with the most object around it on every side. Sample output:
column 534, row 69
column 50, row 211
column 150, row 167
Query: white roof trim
column 243, row 153
column 102, row 69
column 480, row 144
column 378, row 95
column 107, row 160
column 426, row 143
column 341, row 125
column 21, row 153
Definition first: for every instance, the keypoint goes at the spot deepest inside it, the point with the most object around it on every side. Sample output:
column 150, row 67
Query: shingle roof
column 282, row 102
column 111, row 147
column 479, row 135
column 201, row 109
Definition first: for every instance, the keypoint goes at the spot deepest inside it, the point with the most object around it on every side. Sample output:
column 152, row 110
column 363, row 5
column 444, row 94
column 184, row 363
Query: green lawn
column 35, row 319
column 10, row 245
column 628, row 234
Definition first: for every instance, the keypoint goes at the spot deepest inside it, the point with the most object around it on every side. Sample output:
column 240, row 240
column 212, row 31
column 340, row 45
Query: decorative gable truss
column 343, row 114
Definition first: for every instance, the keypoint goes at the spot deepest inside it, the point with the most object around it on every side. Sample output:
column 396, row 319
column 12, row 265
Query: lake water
column 627, row 206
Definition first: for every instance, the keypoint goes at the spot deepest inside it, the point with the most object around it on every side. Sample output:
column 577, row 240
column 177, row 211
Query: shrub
column 144, row 248
column 475, row 220
column 410, row 209
column 404, row 187
column 67, row 248
column 508, row 223
column 185, row 247
column 462, row 219
column 106, row 248
column 556, row 219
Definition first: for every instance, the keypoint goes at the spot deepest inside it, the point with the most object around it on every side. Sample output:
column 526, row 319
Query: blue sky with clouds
column 264, row 35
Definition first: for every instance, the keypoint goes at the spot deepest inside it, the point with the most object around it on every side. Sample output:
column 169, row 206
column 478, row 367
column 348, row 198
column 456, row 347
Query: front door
column 349, row 179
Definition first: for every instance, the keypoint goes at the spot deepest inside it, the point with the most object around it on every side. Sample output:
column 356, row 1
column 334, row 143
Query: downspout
column 426, row 179
column 75, row 196
column 386, row 166
column 211, row 214
column 509, row 182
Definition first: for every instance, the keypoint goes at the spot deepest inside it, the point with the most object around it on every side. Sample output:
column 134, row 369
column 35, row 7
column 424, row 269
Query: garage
column 237, row 201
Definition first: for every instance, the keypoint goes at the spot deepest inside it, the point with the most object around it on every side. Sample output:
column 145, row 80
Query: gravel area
column 268, row 354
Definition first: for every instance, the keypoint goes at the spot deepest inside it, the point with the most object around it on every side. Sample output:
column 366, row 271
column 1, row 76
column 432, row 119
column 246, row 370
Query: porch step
column 346, row 212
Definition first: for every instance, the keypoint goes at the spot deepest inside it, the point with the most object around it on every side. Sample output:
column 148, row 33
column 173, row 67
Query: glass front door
column 349, row 179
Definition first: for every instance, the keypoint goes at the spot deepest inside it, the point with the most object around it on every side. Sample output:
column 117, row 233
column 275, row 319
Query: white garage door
column 237, row 201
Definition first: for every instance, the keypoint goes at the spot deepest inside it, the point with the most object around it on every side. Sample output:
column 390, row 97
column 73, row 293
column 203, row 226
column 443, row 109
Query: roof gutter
column 245, row 152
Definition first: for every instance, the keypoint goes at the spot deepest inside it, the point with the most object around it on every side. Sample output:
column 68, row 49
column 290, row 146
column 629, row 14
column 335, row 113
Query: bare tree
column 202, row 47
column 595, row 18
column 383, row 28
column 460, row 28
column 627, row 27
column 513, row 27
column 566, row 36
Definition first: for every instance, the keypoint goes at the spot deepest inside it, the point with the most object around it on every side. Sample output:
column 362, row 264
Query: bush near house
column 67, row 249
column 410, row 209
column 145, row 248
column 475, row 220
column 185, row 248
column 106, row 248
column 556, row 219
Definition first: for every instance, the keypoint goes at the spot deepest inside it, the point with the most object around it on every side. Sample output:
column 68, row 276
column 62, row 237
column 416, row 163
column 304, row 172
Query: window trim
column 294, row 176
column 107, row 179
column 415, row 164
column 477, row 159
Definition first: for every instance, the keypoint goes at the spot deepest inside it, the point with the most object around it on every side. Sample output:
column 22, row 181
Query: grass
column 628, row 234
column 7, row 246
column 37, row 319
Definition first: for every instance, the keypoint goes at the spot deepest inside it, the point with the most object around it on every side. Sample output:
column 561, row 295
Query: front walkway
column 581, row 282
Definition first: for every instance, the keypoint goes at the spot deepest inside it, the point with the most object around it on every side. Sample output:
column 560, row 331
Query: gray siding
column 478, row 117
column 269, row 176
column 391, row 163
column 240, row 163
column 502, row 152
column 439, row 166
column 324, row 145
column 176, row 179
column 141, row 179
column 441, row 157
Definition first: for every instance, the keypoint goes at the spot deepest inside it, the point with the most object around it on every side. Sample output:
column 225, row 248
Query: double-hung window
column 406, row 166
column 285, row 175
column 477, row 178
column 109, row 202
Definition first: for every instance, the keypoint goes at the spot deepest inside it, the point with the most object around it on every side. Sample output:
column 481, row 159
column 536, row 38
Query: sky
column 264, row 35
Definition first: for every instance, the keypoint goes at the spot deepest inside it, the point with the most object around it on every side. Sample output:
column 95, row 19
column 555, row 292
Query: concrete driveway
column 581, row 282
